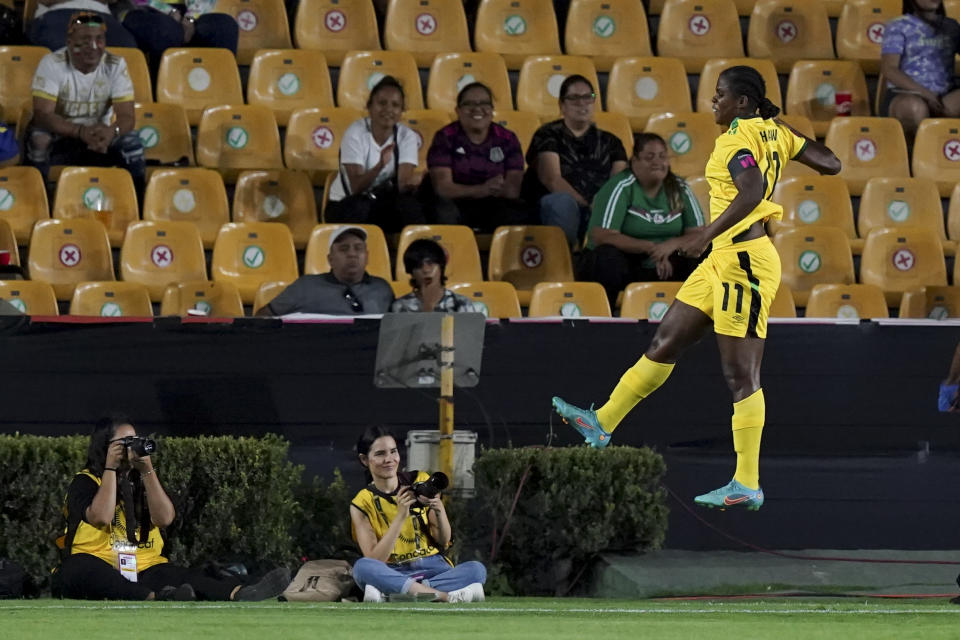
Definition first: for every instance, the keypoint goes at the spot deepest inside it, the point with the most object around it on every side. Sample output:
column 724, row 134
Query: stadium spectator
column 638, row 218
column 426, row 262
column 158, row 25
column 476, row 167
column 76, row 91
column 949, row 399
column 569, row 160
column 377, row 183
column 917, row 62
column 52, row 17
column 111, row 552
column 347, row 289
column 402, row 536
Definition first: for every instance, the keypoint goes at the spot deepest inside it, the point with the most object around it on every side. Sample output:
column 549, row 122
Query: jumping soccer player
column 733, row 287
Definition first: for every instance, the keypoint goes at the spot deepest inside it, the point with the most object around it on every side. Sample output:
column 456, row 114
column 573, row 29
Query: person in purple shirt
column 476, row 167
column 917, row 62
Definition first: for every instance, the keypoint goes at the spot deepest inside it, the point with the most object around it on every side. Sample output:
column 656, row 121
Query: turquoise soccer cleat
column 734, row 495
column 584, row 421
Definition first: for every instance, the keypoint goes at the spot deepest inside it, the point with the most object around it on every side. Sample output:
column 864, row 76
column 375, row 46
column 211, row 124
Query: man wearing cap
column 76, row 92
column 347, row 289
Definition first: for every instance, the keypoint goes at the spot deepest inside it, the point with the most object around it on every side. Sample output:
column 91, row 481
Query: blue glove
column 947, row 393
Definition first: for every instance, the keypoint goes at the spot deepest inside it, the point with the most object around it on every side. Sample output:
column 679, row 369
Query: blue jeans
column 432, row 571
column 561, row 210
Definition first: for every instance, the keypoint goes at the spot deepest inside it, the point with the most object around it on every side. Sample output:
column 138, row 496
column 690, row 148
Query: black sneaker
column 270, row 585
column 183, row 593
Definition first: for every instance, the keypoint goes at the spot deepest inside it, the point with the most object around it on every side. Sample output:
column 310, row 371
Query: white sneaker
column 470, row 593
column 372, row 594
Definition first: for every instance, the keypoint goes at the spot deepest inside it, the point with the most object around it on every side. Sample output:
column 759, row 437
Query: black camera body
column 139, row 445
column 429, row 488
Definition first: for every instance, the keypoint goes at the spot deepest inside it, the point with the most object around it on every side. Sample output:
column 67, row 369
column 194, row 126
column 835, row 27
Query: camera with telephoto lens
column 428, row 488
column 140, row 445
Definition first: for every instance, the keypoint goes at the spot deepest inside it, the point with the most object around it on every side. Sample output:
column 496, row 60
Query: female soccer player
column 733, row 287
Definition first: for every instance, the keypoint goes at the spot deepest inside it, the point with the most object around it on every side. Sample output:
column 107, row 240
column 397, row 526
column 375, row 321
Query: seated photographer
column 403, row 533
column 108, row 554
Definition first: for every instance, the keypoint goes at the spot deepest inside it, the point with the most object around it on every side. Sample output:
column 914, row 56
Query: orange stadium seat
column 569, row 299
column 538, row 88
column 527, row 255
column 933, row 303
column 868, row 147
column 362, row 70
column 23, row 200
column 202, row 298
column 336, row 27
column 197, row 79
column 902, row 259
column 816, row 201
column 8, row 244
column 789, row 30
column 936, row 152
column 690, row 139
column 812, row 89
column 451, row 72
column 251, row 253
column 400, row 288
column 492, row 299
column 744, row 7
column 804, row 126
column 289, row 79
column 516, row 29
column 648, row 300
column 232, row 138
column 640, row 87
column 30, row 297
column 701, row 190
column 860, row 30
column 278, row 195
column 426, row 28
column 139, row 73
column 17, row 66
column 783, row 305
column 425, row 123
column 193, row 194
column 953, row 216
column 812, row 256
column 896, row 202
column 326, row 194
column 266, row 292
column 698, row 30
column 98, row 193
column 617, row 124
column 157, row 254
column 847, row 301
column 523, row 124
column 459, row 242
column 263, row 25
column 67, row 252
column 605, row 30
column 165, row 133
column 312, row 141
column 111, row 300
column 712, row 69
column 318, row 250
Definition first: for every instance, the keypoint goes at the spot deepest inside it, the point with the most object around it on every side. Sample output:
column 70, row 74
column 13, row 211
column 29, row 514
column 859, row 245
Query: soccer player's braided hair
column 747, row 81
column 672, row 185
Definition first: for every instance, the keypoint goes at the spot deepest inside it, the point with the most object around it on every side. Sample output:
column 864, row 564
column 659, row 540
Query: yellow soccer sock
column 637, row 383
column 748, row 418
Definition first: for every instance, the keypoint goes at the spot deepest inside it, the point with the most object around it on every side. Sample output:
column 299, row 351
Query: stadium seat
column 812, row 89
column 953, row 216
column 425, row 123
column 279, row 195
column 492, row 299
column 933, row 303
column 138, row 70
column 698, row 30
column 17, row 66
column 336, row 27
column 804, row 126
column 860, row 30
column 289, row 79
column 400, row 288
column 783, row 305
column 902, row 259
column 617, row 124
column 266, row 292
column 459, row 242
column 569, row 299
column 523, row 124
column 251, row 253
column 896, row 202
column 451, row 72
column 936, row 152
column 952, row 8
column 816, row 201
column 191, row 194
column 165, row 133
column 98, row 193
column 312, row 141
column 23, row 200
column 847, row 301
column 527, row 255
column 66, row 252
column 648, row 300
column 701, row 189
column 813, row 255
column 197, row 79
column 606, row 30
column 868, row 147
column 202, row 298
column 326, row 194
column 690, row 139
column 516, row 29
column 8, row 245
column 789, row 30
column 232, row 138
column 157, row 254
column 318, row 248
column 263, row 25
column 712, row 69
column 30, row 297
column 426, row 28
column 538, row 88
column 111, row 300
column 361, row 70
column 640, row 87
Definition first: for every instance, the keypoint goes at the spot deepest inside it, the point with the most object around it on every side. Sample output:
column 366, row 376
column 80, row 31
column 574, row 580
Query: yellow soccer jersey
column 749, row 142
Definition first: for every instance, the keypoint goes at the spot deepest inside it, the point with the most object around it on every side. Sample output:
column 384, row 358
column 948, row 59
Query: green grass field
column 525, row 618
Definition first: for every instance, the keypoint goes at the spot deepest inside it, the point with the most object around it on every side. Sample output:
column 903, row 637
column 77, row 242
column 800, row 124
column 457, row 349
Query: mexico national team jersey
column 83, row 98
column 749, row 142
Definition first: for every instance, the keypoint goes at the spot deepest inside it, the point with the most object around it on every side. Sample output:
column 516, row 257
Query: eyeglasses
column 353, row 300
column 581, row 98
column 476, row 104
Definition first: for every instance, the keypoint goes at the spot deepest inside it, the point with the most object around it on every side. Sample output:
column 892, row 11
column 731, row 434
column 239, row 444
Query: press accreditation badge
column 128, row 565
column 496, row 154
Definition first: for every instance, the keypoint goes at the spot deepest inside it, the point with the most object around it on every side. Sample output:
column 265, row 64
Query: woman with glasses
column 569, row 160
column 52, row 18
column 476, row 167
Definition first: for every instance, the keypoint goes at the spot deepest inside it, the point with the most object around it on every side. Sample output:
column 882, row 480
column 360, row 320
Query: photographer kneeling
column 108, row 554
column 402, row 535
